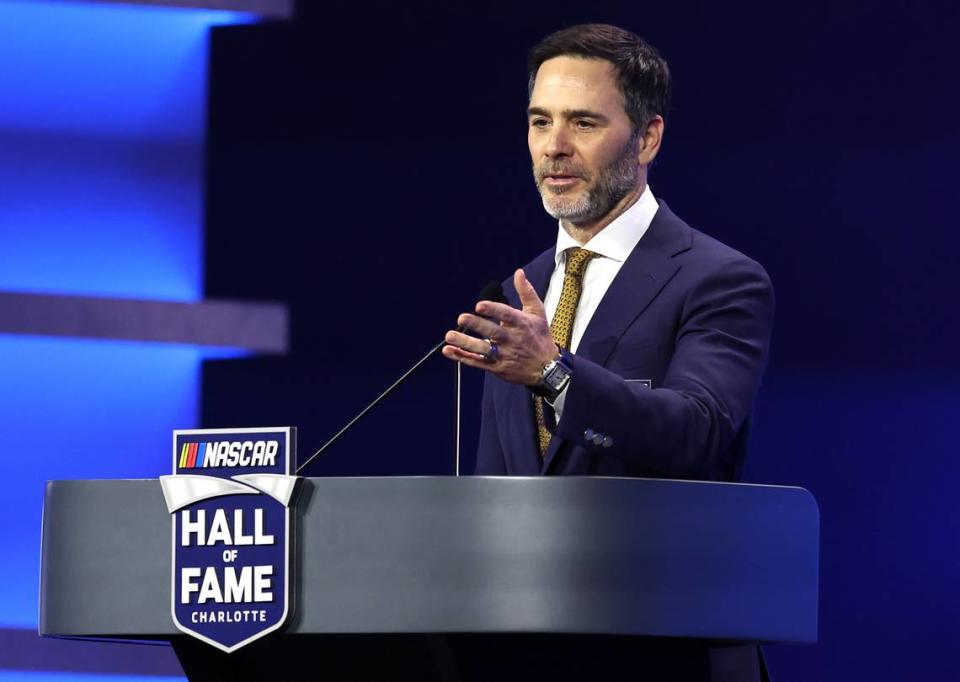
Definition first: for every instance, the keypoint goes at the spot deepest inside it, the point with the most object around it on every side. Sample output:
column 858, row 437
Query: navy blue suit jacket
column 685, row 312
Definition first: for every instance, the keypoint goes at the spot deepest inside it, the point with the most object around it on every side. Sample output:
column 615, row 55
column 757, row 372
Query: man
column 664, row 350
column 635, row 346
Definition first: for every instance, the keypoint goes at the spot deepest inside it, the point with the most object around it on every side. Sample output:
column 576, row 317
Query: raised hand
column 514, row 344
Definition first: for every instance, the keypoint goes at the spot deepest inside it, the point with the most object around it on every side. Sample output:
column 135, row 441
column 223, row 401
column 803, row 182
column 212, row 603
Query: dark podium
column 462, row 578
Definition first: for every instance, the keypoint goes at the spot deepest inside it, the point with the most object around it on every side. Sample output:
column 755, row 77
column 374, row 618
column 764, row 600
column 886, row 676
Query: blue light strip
column 102, row 116
column 105, row 69
column 100, row 216
column 80, row 409
column 25, row 676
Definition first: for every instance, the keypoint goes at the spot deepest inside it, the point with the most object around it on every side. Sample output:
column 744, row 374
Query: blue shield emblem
column 230, row 498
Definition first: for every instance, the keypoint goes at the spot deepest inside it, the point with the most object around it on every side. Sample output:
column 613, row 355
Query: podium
column 441, row 577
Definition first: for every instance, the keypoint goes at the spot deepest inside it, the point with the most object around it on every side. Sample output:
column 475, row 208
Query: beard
column 603, row 191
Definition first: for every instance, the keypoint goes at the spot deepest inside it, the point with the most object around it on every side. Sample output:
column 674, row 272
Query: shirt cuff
column 557, row 404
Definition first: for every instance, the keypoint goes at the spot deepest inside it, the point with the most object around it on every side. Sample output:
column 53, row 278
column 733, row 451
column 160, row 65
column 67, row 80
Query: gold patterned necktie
column 561, row 328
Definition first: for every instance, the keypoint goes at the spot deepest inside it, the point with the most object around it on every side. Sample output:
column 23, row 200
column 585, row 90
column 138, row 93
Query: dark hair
column 642, row 73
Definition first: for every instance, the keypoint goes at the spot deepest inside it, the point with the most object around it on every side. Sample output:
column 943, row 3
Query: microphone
column 493, row 291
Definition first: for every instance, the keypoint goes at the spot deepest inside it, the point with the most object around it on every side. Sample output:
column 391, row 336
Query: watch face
column 557, row 377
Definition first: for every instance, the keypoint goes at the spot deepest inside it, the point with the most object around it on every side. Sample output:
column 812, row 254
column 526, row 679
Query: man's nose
column 558, row 143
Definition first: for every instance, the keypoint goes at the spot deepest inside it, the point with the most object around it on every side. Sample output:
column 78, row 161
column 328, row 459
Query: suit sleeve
column 490, row 457
column 683, row 427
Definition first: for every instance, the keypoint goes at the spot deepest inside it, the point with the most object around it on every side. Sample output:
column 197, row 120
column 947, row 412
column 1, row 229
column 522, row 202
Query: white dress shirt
column 612, row 244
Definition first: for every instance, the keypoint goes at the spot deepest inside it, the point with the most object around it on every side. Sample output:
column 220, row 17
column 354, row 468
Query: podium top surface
column 470, row 554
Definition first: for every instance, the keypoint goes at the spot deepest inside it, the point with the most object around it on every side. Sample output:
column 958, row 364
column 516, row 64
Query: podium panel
column 473, row 555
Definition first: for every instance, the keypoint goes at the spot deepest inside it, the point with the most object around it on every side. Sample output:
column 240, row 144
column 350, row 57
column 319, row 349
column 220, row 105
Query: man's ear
column 649, row 141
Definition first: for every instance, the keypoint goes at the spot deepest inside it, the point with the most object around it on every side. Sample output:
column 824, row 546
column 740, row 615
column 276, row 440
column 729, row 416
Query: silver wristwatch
column 555, row 377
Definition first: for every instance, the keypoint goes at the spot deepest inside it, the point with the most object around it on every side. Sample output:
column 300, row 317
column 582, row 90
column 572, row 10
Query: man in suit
column 670, row 332
column 634, row 346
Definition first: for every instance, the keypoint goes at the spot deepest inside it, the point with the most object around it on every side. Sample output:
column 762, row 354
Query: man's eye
column 539, row 123
column 586, row 125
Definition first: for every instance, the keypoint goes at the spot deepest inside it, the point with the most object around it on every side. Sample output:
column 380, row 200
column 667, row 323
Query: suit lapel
column 643, row 275
column 538, row 272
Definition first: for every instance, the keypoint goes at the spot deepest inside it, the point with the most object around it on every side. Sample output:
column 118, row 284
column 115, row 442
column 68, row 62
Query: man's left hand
column 514, row 344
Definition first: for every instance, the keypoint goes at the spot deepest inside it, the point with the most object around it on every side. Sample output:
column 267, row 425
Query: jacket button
column 588, row 434
column 598, row 439
column 607, row 442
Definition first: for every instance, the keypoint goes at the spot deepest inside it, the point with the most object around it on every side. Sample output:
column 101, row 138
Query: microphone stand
column 373, row 404
column 456, row 467
column 494, row 292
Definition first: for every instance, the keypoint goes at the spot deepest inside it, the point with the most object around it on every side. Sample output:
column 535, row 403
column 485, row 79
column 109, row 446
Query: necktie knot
column 577, row 260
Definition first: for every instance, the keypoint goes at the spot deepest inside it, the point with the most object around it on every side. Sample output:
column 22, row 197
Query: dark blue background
column 369, row 166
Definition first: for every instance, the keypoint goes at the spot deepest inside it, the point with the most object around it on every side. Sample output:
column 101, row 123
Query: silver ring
column 494, row 352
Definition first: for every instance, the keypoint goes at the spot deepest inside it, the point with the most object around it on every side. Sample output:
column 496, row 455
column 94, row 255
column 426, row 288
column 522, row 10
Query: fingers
column 469, row 344
column 467, row 358
column 521, row 337
column 508, row 315
column 482, row 327
column 500, row 312
column 528, row 295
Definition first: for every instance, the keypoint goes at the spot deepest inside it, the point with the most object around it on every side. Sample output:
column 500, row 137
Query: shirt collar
column 617, row 239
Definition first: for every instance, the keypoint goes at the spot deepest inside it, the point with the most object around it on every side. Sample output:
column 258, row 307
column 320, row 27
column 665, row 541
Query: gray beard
column 614, row 182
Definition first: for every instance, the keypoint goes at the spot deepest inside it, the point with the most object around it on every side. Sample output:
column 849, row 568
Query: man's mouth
column 560, row 179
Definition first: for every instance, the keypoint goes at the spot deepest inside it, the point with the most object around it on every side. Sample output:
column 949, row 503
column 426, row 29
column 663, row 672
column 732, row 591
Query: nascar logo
column 261, row 453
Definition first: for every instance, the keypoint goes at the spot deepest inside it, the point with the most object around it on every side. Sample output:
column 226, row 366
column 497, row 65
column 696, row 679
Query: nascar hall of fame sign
column 230, row 497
